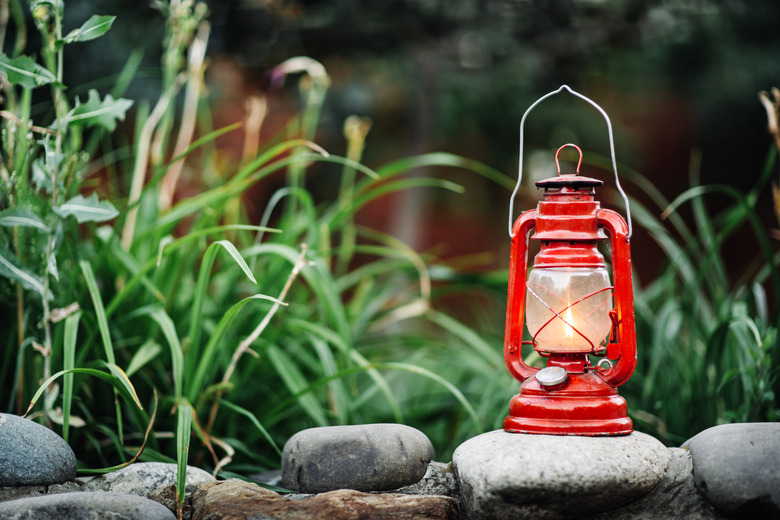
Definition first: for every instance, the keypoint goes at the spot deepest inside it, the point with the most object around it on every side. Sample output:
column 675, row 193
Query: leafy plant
column 708, row 335
column 246, row 332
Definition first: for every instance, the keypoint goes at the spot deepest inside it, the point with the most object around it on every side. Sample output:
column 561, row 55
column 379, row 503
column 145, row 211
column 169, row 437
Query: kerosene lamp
column 580, row 321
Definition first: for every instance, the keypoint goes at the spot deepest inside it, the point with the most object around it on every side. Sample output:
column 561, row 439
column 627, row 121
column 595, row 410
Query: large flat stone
column 237, row 500
column 737, row 468
column 509, row 475
column 84, row 506
column 369, row 457
column 33, row 455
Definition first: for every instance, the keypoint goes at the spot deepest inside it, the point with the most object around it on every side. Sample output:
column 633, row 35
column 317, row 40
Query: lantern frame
column 570, row 396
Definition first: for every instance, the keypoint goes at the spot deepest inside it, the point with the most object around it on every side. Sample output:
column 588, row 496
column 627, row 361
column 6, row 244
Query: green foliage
column 248, row 332
column 707, row 335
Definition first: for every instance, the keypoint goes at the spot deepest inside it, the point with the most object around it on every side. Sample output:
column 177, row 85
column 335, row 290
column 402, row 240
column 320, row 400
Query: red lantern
column 573, row 313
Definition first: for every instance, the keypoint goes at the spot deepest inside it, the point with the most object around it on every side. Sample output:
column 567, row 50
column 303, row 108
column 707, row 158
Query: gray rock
column 153, row 480
column 509, row 475
column 142, row 478
column 439, row 479
column 33, row 455
column 84, row 506
column 371, row 457
column 271, row 477
column 14, row 492
column 674, row 497
column 737, row 468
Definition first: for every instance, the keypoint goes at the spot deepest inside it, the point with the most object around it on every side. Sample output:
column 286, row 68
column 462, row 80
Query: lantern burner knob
column 552, row 378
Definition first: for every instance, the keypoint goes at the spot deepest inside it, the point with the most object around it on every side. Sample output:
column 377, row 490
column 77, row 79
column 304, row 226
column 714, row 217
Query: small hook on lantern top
column 611, row 149
column 579, row 163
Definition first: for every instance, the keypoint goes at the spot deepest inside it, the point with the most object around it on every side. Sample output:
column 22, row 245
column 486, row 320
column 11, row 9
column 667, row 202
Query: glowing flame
column 568, row 317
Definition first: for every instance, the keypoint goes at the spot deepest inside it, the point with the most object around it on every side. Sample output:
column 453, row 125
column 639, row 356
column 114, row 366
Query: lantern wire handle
column 611, row 149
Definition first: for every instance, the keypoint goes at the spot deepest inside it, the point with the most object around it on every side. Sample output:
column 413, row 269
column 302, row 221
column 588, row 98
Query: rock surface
column 737, row 468
column 153, row 480
column 439, row 479
column 510, row 475
column 235, row 499
column 674, row 497
column 370, row 457
column 33, row 455
column 84, row 506
column 14, row 492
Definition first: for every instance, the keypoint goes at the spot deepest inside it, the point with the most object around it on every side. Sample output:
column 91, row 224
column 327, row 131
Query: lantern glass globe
column 567, row 308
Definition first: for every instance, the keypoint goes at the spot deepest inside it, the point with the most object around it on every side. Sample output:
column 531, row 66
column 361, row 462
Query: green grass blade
column 69, row 361
column 443, row 382
column 254, row 420
column 183, row 429
column 122, row 385
column 100, row 312
column 145, row 353
column 296, row 383
column 205, row 362
column 429, row 160
column 165, row 322
column 202, row 287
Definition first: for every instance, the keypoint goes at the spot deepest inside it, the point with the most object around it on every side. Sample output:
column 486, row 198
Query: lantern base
column 586, row 405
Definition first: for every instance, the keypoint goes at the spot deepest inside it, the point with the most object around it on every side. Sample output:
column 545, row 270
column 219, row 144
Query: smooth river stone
column 33, row 455
column 370, row 457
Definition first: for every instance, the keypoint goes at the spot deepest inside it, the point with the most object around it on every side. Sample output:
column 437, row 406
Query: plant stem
column 189, row 114
column 141, row 163
column 243, row 347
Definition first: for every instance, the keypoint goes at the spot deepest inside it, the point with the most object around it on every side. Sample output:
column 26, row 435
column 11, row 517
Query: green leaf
column 183, row 429
column 122, row 378
column 95, row 27
column 158, row 314
column 202, row 285
column 25, row 72
column 206, row 360
column 22, row 217
column 100, row 311
column 99, row 113
column 9, row 268
column 120, row 384
column 147, row 352
column 249, row 415
column 69, row 362
column 88, row 209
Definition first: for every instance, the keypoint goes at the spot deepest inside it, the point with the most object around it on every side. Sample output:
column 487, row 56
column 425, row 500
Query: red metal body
column 569, row 222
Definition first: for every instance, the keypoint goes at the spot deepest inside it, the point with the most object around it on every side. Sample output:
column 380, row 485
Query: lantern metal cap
column 551, row 376
column 568, row 180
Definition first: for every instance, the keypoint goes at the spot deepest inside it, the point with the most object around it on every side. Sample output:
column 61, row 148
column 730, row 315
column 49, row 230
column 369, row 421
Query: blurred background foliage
column 457, row 76
column 680, row 81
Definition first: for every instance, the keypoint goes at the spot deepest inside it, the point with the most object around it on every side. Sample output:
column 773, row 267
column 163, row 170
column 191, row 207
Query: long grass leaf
column 100, row 313
column 69, row 361
column 404, row 165
column 145, row 353
column 457, row 394
column 296, row 383
column 118, row 384
column 120, row 376
column 255, row 421
column 183, row 430
column 168, row 329
column 204, row 276
column 205, row 362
